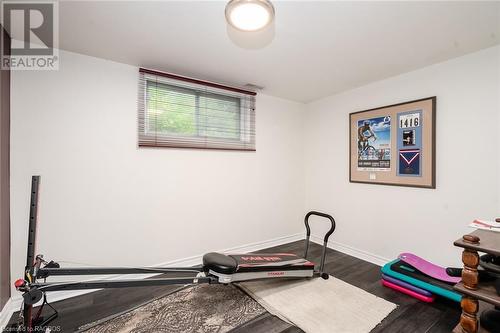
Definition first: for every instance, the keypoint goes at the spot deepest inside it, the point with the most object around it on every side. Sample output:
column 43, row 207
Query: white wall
column 498, row 136
column 106, row 202
column 386, row 220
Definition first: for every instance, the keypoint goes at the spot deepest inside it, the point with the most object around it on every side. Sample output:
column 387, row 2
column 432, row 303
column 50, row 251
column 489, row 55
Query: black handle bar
column 332, row 220
column 325, row 239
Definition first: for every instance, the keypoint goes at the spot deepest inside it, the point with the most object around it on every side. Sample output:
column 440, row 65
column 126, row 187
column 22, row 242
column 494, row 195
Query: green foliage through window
column 180, row 111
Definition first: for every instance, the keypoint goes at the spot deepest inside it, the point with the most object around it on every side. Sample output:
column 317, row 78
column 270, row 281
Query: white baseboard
column 5, row 313
column 14, row 303
column 263, row 245
column 360, row 254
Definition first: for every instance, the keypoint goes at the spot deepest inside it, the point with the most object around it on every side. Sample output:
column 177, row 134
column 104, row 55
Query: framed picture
column 394, row 144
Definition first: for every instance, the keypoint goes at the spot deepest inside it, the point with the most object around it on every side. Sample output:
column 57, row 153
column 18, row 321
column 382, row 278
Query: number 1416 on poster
column 409, row 120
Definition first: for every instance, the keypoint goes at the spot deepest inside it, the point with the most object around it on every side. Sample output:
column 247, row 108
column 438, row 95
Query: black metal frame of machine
column 216, row 268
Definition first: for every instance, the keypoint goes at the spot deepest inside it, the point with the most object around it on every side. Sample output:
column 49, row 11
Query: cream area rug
column 318, row 305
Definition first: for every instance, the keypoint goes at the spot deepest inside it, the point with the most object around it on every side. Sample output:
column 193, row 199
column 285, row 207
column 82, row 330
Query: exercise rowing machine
column 216, row 268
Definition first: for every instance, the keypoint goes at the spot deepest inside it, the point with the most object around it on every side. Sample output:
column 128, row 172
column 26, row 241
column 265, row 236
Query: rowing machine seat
column 219, row 262
column 238, row 267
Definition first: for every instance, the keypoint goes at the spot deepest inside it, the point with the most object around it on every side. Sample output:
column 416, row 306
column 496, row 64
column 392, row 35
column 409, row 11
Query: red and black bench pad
column 261, row 262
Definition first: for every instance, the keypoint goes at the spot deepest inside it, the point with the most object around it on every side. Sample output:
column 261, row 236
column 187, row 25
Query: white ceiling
column 319, row 48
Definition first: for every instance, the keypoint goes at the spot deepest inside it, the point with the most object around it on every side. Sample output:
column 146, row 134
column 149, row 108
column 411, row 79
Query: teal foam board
column 386, row 269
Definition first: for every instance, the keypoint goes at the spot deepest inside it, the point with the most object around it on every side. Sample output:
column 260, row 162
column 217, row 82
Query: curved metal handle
column 332, row 220
column 325, row 240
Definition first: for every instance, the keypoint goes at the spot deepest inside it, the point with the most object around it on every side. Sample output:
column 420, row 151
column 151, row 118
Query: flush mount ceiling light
column 249, row 15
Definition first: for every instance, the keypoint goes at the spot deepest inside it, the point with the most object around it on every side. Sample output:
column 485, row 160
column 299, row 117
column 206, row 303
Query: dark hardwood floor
column 410, row 316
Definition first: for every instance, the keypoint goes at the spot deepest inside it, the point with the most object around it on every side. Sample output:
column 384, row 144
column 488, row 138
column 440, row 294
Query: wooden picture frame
column 394, row 144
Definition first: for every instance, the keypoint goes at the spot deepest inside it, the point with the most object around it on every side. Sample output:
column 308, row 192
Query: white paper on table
column 478, row 226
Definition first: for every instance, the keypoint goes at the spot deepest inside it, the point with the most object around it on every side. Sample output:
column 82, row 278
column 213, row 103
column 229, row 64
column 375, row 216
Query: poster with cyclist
column 374, row 144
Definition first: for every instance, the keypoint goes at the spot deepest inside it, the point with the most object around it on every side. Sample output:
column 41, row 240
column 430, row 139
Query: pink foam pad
column 427, row 299
column 428, row 268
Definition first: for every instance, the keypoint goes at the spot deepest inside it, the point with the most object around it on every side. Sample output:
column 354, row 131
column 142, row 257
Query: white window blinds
column 182, row 112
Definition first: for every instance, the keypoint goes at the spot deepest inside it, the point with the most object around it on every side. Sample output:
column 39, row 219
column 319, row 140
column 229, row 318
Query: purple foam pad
column 434, row 271
column 407, row 285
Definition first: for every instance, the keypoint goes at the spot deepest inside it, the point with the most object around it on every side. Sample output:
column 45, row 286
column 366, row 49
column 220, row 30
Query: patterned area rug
column 198, row 309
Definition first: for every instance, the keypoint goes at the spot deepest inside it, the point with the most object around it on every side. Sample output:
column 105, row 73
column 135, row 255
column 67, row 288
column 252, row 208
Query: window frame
column 245, row 120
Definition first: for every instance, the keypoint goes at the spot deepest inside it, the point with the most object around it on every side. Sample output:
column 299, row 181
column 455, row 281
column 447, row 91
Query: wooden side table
column 470, row 287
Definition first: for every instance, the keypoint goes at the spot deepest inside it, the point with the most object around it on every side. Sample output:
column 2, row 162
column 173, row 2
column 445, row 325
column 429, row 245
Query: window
column 186, row 113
